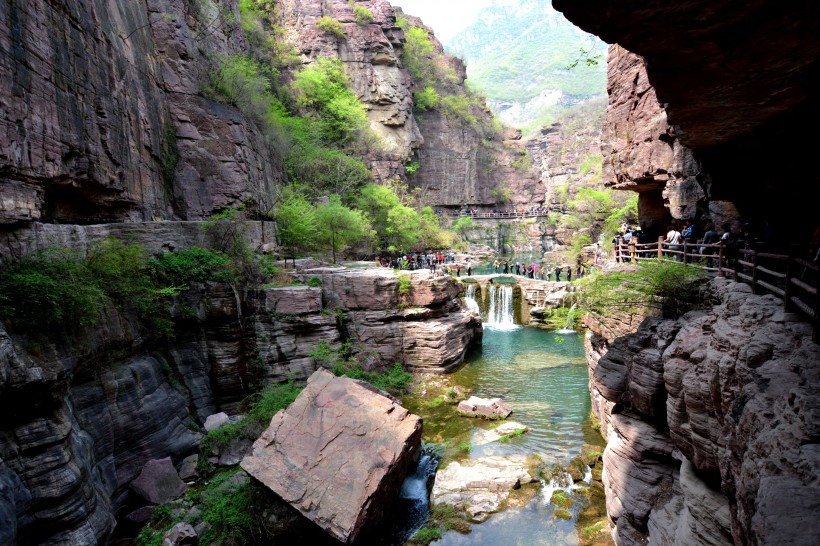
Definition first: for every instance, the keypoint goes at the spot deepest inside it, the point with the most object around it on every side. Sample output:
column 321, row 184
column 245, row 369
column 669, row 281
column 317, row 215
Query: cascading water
column 500, row 316
column 414, row 499
column 469, row 300
column 568, row 329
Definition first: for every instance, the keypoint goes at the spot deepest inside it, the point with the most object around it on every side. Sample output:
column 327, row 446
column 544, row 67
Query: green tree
column 426, row 99
column 323, row 88
column 403, row 226
column 338, row 225
column 331, row 26
column 418, row 53
column 363, row 15
column 296, row 224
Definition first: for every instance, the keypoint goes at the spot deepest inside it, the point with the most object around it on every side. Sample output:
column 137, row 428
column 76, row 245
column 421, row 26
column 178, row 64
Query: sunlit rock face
column 709, row 422
column 735, row 84
column 338, row 454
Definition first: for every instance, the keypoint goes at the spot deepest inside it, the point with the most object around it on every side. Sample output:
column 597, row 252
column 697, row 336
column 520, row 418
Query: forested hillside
column 530, row 62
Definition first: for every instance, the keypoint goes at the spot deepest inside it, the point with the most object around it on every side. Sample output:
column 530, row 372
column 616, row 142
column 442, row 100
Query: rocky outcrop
column 709, row 423
column 737, row 122
column 80, row 423
column 338, row 454
column 642, row 151
column 480, row 486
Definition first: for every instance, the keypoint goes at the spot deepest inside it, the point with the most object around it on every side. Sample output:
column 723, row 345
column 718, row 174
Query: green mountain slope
column 518, row 54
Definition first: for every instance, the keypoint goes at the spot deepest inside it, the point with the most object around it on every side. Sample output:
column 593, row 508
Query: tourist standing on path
column 458, row 270
column 569, row 273
column 557, row 273
column 673, row 239
column 469, row 270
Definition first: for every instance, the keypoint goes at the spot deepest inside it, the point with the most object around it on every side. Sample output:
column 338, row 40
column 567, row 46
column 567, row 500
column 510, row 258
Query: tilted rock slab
column 338, row 454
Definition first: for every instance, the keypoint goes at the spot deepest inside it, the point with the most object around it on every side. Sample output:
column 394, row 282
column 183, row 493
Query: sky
column 445, row 17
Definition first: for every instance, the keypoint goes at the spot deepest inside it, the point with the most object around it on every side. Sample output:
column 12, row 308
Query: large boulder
column 338, row 454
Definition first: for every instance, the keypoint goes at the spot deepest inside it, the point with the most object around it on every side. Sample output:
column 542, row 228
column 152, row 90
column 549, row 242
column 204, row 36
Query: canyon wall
column 711, row 423
column 81, row 419
column 703, row 117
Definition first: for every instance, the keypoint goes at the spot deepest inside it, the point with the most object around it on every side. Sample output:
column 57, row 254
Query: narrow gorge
column 220, row 230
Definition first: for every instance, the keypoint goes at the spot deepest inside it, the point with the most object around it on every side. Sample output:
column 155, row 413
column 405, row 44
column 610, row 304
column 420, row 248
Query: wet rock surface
column 338, row 454
column 481, row 485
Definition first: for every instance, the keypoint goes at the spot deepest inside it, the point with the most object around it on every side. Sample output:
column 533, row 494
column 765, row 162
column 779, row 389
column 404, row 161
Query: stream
column 543, row 376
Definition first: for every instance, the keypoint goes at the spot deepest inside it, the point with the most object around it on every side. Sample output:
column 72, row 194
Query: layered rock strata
column 80, row 422
column 711, row 422
column 733, row 88
column 338, row 454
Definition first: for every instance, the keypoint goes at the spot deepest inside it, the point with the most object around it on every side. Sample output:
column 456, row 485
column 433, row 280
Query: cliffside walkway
column 498, row 215
column 791, row 278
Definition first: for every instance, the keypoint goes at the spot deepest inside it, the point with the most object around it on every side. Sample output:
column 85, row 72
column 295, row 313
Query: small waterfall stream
column 414, row 500
column 469, row 300
column 568, row 329
column 501, row 313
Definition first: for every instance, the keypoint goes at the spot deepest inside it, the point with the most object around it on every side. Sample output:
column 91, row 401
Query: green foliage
column 323, row 88
column 426, row 99
column 169, row 154
column 296, row 224
column 425, row 536
column 181, row 268
column 523, row 163
column 465, row 447
column 562, row 514
column 331, row 26
column 314, row 282
column 560, row 316
column 668, row 288
column 338, row 225
column 579, row 241
column 458, row 108
column 50, row 291
column 463, row 225
column 561, row 499
column 521, row 53
column 405, row 284
column 228, row 511
column 502, row 194
column 418, row 53
column 319, row 170
column 363, row 15
column 393, row 380
column 590, row 162
column 262, row 406
column 412, row 168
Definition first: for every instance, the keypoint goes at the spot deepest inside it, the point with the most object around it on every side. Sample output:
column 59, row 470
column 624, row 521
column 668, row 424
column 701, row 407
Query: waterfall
column 414, row 499
column 562, row 481
column 568, row 329
column 469, row 300
column 500, row 315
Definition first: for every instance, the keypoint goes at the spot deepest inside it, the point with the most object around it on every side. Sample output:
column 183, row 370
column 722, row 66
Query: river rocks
column 215, row 421
column 180, row 534
column 489, row 408
column 338, row 454
column 723, row 459
column 159, row 482
column 504, row 430
column 481, row 485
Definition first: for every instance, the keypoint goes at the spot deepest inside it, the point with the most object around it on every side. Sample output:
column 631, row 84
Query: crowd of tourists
column 497, row 213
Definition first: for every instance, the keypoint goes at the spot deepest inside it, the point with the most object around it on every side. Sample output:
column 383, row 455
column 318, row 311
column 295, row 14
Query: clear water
column 543, row 376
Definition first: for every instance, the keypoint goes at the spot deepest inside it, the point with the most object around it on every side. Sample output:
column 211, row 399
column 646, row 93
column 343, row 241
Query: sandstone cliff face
column 103, row 119
column 711, row 423
column 79, row 422
column 735, row 87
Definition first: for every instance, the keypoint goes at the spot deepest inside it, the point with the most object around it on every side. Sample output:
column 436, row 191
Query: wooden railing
column 790, row 277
